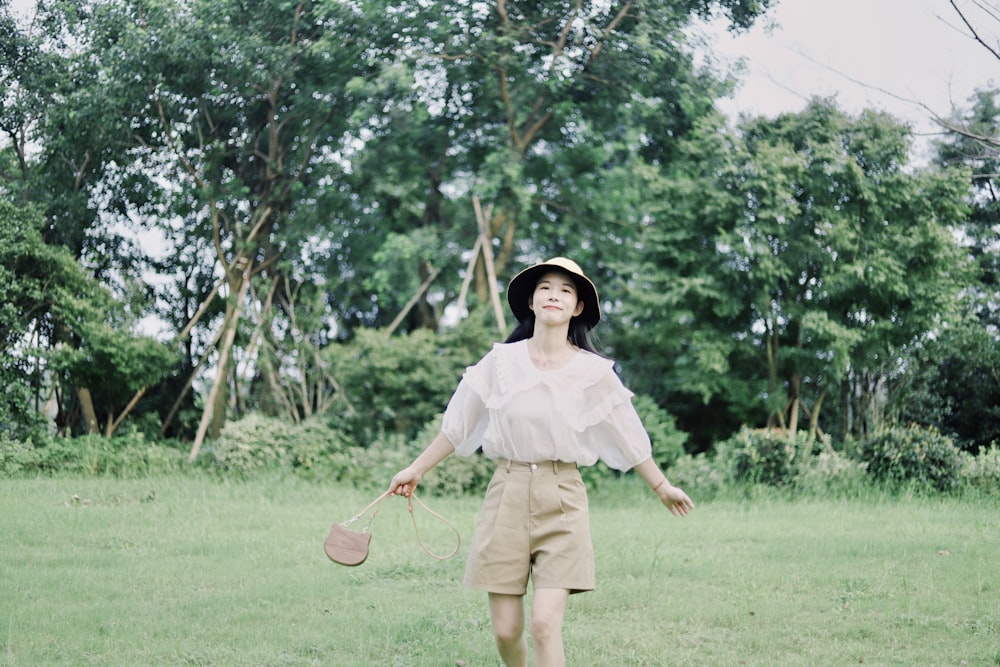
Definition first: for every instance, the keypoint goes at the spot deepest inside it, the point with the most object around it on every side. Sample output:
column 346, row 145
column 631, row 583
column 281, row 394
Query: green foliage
column 913, row 455
column 765, row 456
column 316, row 450
column 456, row 474
column 253, row 444
column 830, row 473
column 756, row 458
column 794, row 258
column 343, row 167
column 17, row 457
column 30, row 271
column 981, row 472
column 80, row 335
column 257, row 445
column 668, row 441
column 398, row 383
column 980, row 235
column 951, row 381
column 128, row 455
column 109, row 359
column 702, row 476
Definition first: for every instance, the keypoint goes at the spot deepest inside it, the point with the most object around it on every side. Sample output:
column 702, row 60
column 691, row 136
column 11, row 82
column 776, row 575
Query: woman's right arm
column 405, row 481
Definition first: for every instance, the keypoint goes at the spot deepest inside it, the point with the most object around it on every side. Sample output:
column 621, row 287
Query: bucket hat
column 521, row 287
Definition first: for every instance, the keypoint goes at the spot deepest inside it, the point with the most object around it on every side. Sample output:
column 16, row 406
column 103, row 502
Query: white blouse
column 578, row 413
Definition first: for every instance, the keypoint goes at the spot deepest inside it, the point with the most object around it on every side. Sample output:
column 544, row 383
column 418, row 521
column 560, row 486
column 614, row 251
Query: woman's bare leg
column 507, row 617
column 547, row 612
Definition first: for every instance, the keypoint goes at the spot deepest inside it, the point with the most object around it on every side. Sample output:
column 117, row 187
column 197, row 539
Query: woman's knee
column 507, row 617
column 508, row 630
column 547, row 613
column 545, row 626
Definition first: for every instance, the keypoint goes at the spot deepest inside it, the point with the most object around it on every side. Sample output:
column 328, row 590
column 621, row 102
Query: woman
column 541, row 404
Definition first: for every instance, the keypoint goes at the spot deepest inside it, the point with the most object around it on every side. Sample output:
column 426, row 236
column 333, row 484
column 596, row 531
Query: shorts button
column 534, row 466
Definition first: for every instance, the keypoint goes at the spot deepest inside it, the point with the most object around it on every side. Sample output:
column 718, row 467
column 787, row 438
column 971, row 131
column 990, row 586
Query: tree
column 981, row 234
column 46, row 296
column 239, row 114
column 56, row 154
column 951, row 380
column 797, row 259
column 532, row 107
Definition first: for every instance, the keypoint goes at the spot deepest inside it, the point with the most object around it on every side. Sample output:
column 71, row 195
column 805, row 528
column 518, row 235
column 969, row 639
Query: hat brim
column 522, row 286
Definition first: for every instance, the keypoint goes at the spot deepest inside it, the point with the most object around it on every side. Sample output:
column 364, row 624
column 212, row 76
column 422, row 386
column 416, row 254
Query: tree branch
column 975, row 34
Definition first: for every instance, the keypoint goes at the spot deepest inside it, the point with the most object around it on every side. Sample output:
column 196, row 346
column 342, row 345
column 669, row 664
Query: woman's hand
column 405, row 482
column 674, row 499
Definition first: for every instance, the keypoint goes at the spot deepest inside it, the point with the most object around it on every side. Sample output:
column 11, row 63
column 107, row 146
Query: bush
column 668, row 441
column 913, row 455
column 125, row 455
column 251, row 444
column 830, row 473
column 397, row 383
column 312, row 450
column 700, row 476
column 315, row 450
column 982, row 471
column 455, row 475
column 17, row 457
column 764, row 456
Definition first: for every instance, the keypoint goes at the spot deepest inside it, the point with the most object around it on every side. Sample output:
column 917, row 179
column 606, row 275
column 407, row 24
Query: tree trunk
column 793, row 409
column 814, row 415
column 229, row 327
column 113, row 425
column 87, row 405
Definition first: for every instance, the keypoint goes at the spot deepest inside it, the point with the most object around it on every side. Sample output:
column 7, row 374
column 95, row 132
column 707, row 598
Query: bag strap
column 458, row 536
column 377, row 505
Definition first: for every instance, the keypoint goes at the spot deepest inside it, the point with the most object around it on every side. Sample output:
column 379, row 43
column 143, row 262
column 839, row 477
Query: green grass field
column 188, row 570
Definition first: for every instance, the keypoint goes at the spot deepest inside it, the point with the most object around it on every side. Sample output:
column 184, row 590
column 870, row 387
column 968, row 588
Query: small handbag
column 351, row 547
column 347, row 547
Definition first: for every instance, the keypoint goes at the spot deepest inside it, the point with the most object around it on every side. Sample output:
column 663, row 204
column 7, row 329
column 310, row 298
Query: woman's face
column 555, row 299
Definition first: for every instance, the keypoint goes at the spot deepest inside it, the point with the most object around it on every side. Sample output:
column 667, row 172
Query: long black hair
column 579, row 334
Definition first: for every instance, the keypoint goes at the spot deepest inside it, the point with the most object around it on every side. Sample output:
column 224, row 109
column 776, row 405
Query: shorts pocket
column 572, row 496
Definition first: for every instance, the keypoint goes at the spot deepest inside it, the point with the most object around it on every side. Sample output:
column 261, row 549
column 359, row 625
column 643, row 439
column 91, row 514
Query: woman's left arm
column 671, row 496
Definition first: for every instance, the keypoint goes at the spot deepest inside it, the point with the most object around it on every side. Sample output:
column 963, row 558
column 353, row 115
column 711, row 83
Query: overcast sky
column 869, row 53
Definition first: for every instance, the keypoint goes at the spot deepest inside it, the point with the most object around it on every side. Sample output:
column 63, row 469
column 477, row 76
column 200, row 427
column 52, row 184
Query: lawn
column 190, row 570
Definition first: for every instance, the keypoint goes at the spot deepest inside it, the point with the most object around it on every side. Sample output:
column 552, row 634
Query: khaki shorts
column 534, row 523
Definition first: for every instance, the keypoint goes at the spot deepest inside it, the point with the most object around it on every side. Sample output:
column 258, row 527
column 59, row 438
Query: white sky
column 869, row 53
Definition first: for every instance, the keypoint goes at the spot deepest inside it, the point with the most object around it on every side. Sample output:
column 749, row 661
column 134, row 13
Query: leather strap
column 377, row 505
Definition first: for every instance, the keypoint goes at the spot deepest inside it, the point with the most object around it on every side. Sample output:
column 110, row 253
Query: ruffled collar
column 517, row 372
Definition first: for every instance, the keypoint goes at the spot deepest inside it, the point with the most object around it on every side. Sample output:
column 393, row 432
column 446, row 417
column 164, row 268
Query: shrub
column 668, row 441
column 453, row 476
column 917, row 455
column 701, row 476
column 125, row 455
column 315, row 450
column 982, row 471
column 396, row 383
column 17, row 457
column 830, row 473
column 764, row 456
column 253, row 443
